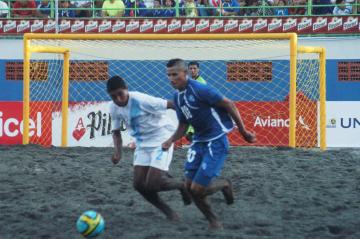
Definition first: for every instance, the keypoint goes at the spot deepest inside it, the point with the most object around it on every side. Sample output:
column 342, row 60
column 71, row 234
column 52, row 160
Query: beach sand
column 279, row 193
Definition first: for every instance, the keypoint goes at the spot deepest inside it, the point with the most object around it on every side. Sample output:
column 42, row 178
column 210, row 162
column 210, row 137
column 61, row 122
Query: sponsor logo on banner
column 9, row 26
column 49, row 26
column 275, row 24
column 336, row 22
column 350, row 23
column 174, row 25
column 245, row 24
column 160, row 25
column 304, row 23
column 23, row 26
column 12, row 125
column 132, row 26
column 343, row 123
column 37, row 25
column 77, row 26
column 118, row 26
column 147, row 26
column 188, row 25
column 289, row 24
column 216, row 25
column 231, row 25
column 331, row 123
column 319, row 23
column 89, row 125
column 105, row 26
column 91, row 26
column 64, row 25
column 260, row 24
column 202, row 25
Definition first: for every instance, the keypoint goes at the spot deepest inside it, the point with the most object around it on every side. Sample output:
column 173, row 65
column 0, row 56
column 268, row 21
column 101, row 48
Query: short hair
column 194, row 63
column 339, row 1
column 114, row 83
column 177, row 62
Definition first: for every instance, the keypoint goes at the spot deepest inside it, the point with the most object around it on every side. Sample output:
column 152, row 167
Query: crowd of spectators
column 168, row 8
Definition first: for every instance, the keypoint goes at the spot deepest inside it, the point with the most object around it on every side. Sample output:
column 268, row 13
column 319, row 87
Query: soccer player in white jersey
column 145, row 117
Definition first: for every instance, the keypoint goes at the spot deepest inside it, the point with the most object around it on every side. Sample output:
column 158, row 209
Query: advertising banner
column 298, row 24
column 11, row 123
column 343, row 123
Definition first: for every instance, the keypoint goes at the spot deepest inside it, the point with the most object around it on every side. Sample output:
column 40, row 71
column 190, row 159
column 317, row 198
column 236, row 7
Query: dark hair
column 339, row 1
column 115, row 83
column 176, row 61
column 194, row 63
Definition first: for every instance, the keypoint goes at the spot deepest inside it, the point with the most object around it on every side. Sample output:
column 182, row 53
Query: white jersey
column 145, row 117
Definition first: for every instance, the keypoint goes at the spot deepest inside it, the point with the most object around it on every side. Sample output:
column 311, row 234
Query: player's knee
column 139, row 186
column 151, row 185
column 197, row 192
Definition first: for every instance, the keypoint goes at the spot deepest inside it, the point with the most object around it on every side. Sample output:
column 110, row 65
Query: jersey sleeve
column 115, row 119
column 152, row 104
column 209, row 94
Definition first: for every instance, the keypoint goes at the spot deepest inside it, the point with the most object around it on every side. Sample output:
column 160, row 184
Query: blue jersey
column 196, row 105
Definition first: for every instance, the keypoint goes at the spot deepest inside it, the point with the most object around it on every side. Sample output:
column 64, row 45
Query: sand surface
column 280, row 193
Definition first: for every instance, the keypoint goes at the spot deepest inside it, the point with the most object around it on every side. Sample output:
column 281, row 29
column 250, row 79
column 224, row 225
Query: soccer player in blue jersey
column 211, row 115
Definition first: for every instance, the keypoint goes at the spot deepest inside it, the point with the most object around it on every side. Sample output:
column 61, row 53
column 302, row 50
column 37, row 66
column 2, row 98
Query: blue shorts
column 206, row 159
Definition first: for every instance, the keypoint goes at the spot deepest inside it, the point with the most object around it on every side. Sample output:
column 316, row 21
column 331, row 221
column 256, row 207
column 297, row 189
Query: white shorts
column 153, row 157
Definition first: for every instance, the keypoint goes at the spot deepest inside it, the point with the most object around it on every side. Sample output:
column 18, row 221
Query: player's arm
column 170, row 104
column 178, row 134
column 116, row 134
column 230, row 107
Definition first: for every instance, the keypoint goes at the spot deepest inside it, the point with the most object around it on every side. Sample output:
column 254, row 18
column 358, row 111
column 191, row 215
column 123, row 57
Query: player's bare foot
column 173, row 217
column 215, row 226
column 186, row 196
column 228, row 193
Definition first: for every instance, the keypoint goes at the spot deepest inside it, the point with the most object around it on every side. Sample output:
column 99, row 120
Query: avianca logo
column 278, row 123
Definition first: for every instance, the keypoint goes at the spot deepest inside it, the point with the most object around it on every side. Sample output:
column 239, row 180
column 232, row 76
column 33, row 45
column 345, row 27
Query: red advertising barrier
column 11, row 123
column 270, row 122
column 300, row 25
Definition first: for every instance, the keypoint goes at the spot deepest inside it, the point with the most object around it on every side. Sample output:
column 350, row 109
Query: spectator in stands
column 322, row 10
column 281, row 11
column 202, row 5
column 242, row 4
column 3, row 9
column 157, row 10
column 113, row 8
column 97, row 12
column 215, row 9
column 82, row 6
column 257, row 9
column 44, row 8
column 230, row 8
column 141, row 9
column 66, row 9
column 190, row 8
column 169, row 10
column 24, row 8
column 299, row 10
column 342, row 8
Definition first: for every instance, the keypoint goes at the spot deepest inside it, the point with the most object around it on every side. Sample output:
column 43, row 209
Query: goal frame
column 294, row 51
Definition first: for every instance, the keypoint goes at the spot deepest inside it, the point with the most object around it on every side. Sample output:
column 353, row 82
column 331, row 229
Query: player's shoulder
column 198, row 86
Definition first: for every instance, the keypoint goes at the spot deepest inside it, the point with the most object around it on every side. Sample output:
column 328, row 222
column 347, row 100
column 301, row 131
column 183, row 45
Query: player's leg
column 157, row 178
column 203, row 183
column 140, row 174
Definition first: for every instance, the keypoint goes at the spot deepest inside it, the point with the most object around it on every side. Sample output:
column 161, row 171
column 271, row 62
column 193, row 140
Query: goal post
column 70, row 43
column 26, row 87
